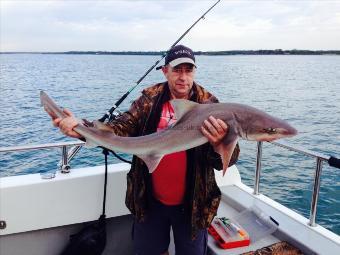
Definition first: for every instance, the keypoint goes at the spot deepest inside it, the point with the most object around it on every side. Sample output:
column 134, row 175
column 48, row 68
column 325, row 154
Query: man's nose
column 182, row 74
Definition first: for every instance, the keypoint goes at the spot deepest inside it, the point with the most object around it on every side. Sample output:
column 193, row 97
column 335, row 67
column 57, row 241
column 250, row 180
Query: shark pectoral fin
column 101, row 126
column 182, row 106
column 228, row 152
column 89, row 144
column 152, row 161
column 226, row 149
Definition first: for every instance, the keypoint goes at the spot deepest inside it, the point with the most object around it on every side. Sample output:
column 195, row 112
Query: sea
column 304, row 90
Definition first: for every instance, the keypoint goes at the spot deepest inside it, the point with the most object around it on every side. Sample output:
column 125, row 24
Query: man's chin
column 183, row 93
column 182, row 89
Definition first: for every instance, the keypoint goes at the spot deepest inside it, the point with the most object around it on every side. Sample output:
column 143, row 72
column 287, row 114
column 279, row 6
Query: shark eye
column 270, row 130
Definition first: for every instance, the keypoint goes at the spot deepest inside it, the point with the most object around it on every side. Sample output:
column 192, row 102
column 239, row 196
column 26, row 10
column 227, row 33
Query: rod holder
column 316, row 189
column 258, row 168
column 65, row 167
column 3, row 224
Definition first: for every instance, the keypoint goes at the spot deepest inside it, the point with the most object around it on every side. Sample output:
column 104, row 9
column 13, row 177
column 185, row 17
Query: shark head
column 264, row 127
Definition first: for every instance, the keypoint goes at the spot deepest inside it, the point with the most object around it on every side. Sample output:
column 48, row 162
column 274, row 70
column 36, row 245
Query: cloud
column 155, row 25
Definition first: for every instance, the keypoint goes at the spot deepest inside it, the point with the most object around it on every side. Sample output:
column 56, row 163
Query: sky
column 155, row 25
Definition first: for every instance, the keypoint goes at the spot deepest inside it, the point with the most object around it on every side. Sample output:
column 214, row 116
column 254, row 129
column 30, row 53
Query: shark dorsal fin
column 182, row 106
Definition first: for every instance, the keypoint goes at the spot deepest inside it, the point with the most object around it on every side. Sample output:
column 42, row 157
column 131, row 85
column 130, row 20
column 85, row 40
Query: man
column 181, row 193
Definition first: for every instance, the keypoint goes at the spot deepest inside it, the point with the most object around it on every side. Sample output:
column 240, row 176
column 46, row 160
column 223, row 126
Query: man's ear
column 165, row 69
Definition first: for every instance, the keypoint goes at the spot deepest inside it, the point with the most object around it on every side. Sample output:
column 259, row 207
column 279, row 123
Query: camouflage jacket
column 202, row 195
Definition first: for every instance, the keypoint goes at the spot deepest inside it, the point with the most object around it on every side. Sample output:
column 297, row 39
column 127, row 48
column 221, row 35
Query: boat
column 38, row 212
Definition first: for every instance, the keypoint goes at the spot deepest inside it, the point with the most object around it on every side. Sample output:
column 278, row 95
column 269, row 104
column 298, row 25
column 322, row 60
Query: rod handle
column 115, row 106
column 334, row 162
column 121, row 99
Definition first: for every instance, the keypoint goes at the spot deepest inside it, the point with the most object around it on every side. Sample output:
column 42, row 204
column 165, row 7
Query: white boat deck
column 45, row 210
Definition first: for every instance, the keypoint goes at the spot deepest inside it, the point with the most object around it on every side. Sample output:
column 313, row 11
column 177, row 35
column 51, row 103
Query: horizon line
column 216, row 52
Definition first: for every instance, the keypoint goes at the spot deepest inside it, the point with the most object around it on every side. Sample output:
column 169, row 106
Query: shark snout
column 273, row 134
column 287, row 131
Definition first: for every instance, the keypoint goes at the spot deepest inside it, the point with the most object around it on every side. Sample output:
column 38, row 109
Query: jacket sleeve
column 128, row 123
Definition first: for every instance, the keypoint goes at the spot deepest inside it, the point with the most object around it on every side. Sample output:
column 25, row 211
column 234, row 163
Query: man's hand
column 215, row 130
column 67, row 124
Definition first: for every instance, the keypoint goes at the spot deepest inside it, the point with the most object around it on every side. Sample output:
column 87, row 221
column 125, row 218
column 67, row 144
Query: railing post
column 73, row 151
column 65, row 167
column 258, row 168
column 316, row 189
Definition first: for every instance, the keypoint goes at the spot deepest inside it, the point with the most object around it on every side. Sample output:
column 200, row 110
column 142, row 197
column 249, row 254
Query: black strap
column 120, row 158
column 105, row 152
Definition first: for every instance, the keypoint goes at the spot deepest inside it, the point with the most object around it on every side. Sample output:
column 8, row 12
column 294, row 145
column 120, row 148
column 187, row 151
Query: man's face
column 180, row 79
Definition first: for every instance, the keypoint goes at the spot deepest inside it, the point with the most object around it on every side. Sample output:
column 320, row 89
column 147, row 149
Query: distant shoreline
column 199, row 53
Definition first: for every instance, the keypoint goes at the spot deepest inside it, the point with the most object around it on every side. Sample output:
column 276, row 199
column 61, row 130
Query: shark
column 244, row 122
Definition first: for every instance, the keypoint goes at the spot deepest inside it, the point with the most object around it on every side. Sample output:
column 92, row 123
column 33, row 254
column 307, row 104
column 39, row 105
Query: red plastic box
column 228, row 233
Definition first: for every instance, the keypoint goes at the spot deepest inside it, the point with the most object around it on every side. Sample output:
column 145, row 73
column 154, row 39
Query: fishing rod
column 109, row 114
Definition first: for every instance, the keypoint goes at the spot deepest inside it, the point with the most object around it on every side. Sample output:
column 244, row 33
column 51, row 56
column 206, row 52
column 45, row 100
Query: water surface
column 305, row 90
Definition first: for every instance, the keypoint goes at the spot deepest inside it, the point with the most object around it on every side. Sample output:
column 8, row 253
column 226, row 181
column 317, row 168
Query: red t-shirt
column 169, row 177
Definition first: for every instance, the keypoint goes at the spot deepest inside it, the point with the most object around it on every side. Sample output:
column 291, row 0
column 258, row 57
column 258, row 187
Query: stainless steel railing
column 320, row 158
column 66, row 157
column 39, row 146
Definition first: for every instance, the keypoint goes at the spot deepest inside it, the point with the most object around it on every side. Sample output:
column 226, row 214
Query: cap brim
column 179, row 61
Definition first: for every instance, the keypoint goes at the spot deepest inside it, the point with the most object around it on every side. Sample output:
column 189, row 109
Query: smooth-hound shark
column 243, row 122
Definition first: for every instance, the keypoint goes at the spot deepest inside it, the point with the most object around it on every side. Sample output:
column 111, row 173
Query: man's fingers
column 68, row 112
column 208, row 135
column 74, row 134
column 56, row 122
column 217, row 125
column 223, row 125
column 210, row 127
column 68, row 123
column 66, row 126
column 50, row 113
column 214, row 130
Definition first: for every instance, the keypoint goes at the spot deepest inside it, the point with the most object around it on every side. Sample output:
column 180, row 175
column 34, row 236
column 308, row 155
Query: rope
column 106, row 153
